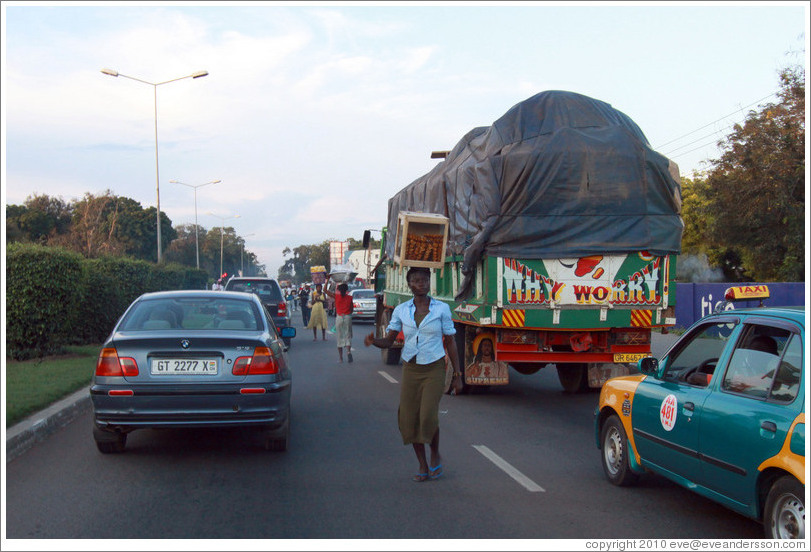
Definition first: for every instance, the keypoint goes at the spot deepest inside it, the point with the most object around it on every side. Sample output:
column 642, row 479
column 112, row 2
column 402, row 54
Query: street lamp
column 241, row 261
column 222, row 232
column 195, row 75
column 195, row 186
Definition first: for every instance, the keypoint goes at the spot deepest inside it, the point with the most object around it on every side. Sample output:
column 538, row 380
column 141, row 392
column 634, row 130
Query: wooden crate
column 421, row 239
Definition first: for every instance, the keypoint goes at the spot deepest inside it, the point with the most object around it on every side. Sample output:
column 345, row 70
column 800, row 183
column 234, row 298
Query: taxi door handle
column 769, row 426
column 689, row 406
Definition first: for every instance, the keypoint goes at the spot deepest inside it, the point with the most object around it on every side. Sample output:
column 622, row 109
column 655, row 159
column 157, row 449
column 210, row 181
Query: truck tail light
column 282, row 309
column 109, row 364
column 262, row 362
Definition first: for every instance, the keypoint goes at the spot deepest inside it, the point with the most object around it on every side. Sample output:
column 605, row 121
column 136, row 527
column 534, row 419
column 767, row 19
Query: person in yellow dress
column 318, row 316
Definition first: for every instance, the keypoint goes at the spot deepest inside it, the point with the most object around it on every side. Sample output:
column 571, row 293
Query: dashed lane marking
column 388, row 377
column 505, row 466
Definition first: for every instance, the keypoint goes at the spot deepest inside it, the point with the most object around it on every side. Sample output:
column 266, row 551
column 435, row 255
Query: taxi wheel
column 784, row 515
column 615, row 453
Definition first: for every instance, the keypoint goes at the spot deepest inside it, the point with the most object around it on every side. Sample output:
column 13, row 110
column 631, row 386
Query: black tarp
column 559, row 175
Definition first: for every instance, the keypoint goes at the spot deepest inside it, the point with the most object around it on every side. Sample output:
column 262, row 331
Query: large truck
column 551, row 234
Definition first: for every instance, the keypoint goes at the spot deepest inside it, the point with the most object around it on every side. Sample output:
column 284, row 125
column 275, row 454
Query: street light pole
column 222, row 233
column 196, row 243
column 242, row 251
column 195, row 75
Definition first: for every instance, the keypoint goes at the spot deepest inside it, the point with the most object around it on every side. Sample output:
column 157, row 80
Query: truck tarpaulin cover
column 559, row 175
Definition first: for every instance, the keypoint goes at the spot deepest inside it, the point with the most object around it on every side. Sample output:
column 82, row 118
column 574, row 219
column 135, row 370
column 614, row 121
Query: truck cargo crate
column 421, row 239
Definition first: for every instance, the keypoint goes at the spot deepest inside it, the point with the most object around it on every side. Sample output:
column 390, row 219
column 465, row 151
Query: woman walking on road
column 427, row 326
column 343, row 319
column 318, row 315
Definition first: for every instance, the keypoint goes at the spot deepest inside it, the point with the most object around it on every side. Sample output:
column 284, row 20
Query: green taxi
column 722, row 414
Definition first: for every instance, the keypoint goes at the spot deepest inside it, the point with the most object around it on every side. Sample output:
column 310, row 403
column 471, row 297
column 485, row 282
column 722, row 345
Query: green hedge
column 55, row 297
column 41, row 299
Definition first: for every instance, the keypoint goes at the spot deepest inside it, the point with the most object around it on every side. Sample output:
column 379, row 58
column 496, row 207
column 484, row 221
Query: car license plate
column 184, row 366
column 629, row 358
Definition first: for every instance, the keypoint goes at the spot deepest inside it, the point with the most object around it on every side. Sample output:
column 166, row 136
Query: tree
column 93, row 225
column 753, row 199
column 182, row 250
column 38, row 220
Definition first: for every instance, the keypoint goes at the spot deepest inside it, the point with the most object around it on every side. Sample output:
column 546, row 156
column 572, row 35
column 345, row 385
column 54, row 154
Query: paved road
column 521, row 462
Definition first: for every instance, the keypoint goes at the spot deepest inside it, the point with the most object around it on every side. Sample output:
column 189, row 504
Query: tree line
column 110, row 225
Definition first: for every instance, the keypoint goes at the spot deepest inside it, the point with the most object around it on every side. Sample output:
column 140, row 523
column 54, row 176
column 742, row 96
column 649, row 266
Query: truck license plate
column 184, row 366
column 629, row 358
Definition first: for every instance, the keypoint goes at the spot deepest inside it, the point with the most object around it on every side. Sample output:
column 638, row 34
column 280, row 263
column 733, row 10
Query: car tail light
column 356, row 305
column 282, row 309
column 109, row 364
column 262, row 362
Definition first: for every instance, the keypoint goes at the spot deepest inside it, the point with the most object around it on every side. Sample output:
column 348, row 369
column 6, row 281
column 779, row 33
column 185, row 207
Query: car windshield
column 192, row 313
column 363, row 294
column 267, row 291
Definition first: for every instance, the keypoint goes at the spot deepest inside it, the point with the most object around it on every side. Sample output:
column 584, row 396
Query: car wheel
column 277, row 440
column 615, row 453
column 574, row 378
column 784, row 514
column 109, row 442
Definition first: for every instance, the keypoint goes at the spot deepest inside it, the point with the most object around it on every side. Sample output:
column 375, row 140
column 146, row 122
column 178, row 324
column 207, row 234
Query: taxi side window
column 787, row 380
column 700, row 354
column 755, row 361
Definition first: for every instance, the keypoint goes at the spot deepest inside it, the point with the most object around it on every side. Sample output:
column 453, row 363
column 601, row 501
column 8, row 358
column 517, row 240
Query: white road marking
column 522, row 479
column 388, row 377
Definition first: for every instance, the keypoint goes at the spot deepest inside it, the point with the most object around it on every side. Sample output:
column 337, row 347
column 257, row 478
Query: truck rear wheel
column 574, row 377
column 390, row 356
column 461, row 347
column 527, row 368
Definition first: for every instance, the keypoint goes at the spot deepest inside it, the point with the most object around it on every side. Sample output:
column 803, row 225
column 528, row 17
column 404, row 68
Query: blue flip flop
column 420, row 477
column 435, row 472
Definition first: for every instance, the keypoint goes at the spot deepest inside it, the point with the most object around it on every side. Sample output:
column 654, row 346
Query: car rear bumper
column 183, row 406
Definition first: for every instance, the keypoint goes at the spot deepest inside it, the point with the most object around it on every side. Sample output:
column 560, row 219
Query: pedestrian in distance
column 428, row 329
column 304, row 304
column 343, row 319
column 318, row 315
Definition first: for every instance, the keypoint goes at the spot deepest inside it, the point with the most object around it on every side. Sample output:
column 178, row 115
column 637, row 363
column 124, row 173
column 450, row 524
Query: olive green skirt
column 422, row 387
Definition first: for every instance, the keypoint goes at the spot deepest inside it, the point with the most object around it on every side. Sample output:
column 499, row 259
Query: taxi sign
column 739, row 293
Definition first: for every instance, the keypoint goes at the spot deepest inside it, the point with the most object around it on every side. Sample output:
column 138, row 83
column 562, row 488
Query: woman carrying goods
column 318, row 315
column 343, row 319
column 427, row 325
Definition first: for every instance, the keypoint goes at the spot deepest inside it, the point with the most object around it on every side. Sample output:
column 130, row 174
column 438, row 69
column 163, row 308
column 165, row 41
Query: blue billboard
column 694, row 301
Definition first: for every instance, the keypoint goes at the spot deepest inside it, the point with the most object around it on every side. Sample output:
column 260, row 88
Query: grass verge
column 32, row 385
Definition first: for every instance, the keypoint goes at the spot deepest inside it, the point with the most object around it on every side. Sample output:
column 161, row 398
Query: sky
column 314, row 114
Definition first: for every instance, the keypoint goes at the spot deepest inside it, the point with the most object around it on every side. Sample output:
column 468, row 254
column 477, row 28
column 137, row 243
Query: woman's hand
column 369, row 339
column 457, row 385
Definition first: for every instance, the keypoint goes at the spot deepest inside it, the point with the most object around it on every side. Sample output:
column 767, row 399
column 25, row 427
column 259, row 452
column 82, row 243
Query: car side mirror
column 288, row 331
column 367, row 237
column 648, row 365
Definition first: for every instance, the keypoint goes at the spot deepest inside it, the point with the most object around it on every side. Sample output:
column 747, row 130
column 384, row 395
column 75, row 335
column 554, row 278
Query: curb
column 40, row 425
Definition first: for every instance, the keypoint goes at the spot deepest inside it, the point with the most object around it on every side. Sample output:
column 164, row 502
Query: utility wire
column 669, row 152
column 712, row 123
